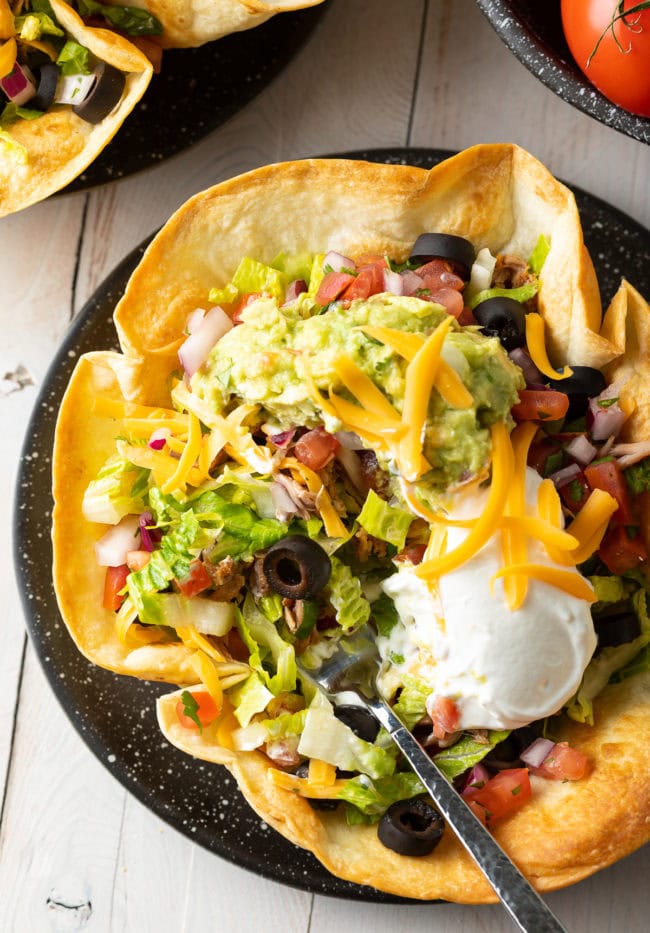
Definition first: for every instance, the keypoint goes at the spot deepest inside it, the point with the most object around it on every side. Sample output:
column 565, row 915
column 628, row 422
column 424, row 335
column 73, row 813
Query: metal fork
column 354, row 667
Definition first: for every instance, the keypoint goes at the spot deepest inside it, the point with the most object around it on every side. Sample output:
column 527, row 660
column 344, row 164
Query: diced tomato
column 478, row 811
column 623, row 549
column 206, row 712
column 236, row 645
column 369, row 281
column 332, row 285
column 540, row 405
column 316, row 448
column 563, row 764
column 444, row 714
column 609, row 476
column 502, row 794
column 136, row 560
column 371, row 259
column 238, row 307
column 540, row 450
column 436, row 268
column 114, row 581
column 149, row 47
column 414, row 553
column 197, row 580
column 575, row 493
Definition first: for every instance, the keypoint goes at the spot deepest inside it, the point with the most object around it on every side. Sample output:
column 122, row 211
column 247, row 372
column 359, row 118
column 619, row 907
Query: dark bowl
column 532, row 29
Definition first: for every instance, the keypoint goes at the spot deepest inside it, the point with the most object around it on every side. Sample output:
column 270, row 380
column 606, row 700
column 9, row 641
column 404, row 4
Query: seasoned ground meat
column 226, row 577
column 374, row 477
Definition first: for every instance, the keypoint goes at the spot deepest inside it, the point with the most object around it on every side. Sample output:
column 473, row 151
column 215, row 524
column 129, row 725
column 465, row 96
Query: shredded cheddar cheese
column 321, row 772
column 535, row 340
column 188, row 457
column 571, row 583
column 302, row 786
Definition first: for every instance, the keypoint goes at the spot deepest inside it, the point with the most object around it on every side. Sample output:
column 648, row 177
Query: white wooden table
column 76, row 850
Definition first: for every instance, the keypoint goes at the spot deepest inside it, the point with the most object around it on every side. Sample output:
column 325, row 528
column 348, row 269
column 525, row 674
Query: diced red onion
column 537, row 752
column 337, row 262
column 158, row 438
column 295, row 288
column 604, row 422
column 112, row 548
column 349, row 439
column 565, row 475
column 282, row 501
column 148, row 536
column 478, row 776
column 393, row 282
column 412, row 282
column 19, row 84
column 194, row 352
column 581, row 450
column 194, row 320
column 522, row 359
column 629, row 454
column 283, row 439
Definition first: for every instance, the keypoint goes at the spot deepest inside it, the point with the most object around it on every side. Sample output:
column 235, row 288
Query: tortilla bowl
column 497, row 196
column 187, row 24
column 60, row 145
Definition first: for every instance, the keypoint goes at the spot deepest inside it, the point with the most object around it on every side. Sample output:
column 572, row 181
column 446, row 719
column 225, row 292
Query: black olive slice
column 411, row 827
column 504, row 318
column 105, row 94
column 296, row 567
column 316, row 803
column 585, row 383
column 617, row 630
column 359, row 720
column 456, row 249
column 47, row 80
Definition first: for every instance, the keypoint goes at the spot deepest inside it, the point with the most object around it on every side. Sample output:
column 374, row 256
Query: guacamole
column 265, row 359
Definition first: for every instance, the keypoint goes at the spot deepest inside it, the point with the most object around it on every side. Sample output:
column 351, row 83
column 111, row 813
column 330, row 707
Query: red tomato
column 197, row 580
column 243, row 303
column 609, row 476
column 206, row 712
column 620, row 552
column 136, row 560
column 332, row 285
column 466, row 317
column 370, row 281
column 114, row 581
column 414, row 553
column 506, row 791
column 445, row 716
column 620, row 69
column 540, row 405
column 316, row 448
column 563, row 764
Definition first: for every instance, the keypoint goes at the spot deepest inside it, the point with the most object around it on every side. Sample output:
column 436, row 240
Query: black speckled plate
column 532, row 29
column 196, row 91
column 115, row 715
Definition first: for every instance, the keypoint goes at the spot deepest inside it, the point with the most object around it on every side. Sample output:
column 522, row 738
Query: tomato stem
column 620, row 13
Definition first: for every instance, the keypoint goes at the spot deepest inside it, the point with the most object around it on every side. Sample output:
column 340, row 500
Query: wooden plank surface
column 76, row 851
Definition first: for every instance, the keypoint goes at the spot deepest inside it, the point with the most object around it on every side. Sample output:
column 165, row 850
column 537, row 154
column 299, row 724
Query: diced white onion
column 194, row 352
column 349, row 439
column 210, row 617
column 393, row 282
column 245, row 740
column 74, row 89
column 194, row 320
column 112, row 548
column 412, row 282
column 352, row 466
column 482, row 271
column 565, row 475
column 337, row 262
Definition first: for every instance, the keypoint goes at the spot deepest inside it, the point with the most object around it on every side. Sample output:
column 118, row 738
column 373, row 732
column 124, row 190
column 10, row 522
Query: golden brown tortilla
column 497, row 196
column 188, row 23
column 60, row 145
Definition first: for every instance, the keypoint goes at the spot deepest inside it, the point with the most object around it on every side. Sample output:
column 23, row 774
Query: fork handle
column 518, row 896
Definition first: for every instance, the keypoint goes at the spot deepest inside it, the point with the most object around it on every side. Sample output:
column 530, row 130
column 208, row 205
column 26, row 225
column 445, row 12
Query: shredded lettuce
column 31, row 26
column 117, row 491
column 540, row 251
column 250, row 697
column 608, row 589
column 467, row 752
column 294, row 267
column 384, row 521
column 176, row 611
column 352, row 608
column 131, row 20
column 411, row 704
column 523, row 293
column 612, row 665
column 315, row 276
column 369, row 799
column 265, row 644
column 253, row 276
column 73, row 59
column 327, row 738
column 223, row 296
column 286, row 724
column 384, row 614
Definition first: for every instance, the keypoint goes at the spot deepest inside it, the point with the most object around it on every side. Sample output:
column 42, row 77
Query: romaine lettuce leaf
column 131, row 20
column 250, row 697
column 267, row 647
column 467, row 752
column 352, row 608
column 117, row 491
column 540, row 251
column 523, row 293
column 384, row 521
column 369, row 799
column 410, row 706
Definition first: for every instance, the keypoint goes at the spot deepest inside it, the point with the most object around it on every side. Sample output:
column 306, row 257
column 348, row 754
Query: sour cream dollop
column 503, row 669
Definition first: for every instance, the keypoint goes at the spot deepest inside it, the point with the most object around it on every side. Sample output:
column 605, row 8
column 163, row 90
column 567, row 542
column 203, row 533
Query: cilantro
column 190, row 708
column 516, row 790
column 396, row 658
column 576, row 491
column 638, row 477
column 141, row 482
column 384, row 614
column 607, row 402
column 553, row 462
